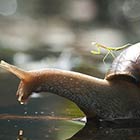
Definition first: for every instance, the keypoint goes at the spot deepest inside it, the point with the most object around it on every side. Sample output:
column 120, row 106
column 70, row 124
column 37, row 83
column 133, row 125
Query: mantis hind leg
column 106, row 56
column 109, row 52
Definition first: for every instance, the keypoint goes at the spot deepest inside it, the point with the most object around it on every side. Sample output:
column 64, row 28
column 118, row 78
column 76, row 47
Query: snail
column 117, row 96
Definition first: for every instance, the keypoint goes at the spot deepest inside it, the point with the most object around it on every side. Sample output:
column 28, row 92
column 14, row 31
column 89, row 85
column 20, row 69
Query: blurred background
column 58, row 34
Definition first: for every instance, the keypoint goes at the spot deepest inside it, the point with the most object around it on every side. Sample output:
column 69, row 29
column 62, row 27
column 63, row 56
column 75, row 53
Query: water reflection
column 90, row 132
column 21, row 135
column 28, row 128
column 57, row 128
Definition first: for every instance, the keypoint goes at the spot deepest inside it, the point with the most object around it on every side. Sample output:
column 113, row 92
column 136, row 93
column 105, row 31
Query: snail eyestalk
column 21, row 74
column 110, row 50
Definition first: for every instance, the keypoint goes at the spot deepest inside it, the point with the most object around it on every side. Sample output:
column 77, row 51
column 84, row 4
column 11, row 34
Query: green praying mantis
column 110, row 50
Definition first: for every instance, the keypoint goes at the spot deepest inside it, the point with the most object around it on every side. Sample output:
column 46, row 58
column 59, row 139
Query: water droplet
column 25, row 112
column 21, row 103
column 52, row 113
column 20, row 132
column 15, row 126
column 41, row 112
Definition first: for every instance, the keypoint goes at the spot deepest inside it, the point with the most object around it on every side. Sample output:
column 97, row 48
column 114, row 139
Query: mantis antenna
column 110, row 50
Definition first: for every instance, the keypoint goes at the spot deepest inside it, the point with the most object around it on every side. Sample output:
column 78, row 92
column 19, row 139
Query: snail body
column 115, row 97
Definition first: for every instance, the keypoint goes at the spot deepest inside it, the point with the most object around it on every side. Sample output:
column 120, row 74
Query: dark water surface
column 57, row 128
column 33, row 129
column 50, row 117
column 45, row 117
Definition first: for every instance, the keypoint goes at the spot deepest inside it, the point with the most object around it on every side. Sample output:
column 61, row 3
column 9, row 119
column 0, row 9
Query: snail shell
column 127, row 64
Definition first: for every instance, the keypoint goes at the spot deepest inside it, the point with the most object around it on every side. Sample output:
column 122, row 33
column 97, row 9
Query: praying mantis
column 110, row 50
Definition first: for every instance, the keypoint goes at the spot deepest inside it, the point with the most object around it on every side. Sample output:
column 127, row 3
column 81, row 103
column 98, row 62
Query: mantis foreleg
column 97, row 52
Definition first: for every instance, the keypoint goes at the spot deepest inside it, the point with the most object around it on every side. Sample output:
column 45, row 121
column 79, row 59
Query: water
column 46, row 116
column 50, row 117
column 32, row 129
column 37, row 128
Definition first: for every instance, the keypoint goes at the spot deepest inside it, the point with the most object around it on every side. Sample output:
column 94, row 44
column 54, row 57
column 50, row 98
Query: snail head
column 27, row 83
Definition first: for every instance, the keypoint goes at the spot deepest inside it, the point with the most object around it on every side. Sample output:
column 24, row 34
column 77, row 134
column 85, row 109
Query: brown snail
column 115, row 97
